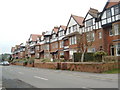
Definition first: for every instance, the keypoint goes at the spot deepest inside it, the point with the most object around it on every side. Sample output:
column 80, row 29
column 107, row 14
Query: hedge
column 88, row 57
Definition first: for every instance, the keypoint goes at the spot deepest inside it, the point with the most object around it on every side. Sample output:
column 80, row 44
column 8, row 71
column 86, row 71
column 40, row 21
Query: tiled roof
column 35, row 36
column 47, row 33
column 63, row 27
column 55, row 29
column 113, row 0
column 78, row 19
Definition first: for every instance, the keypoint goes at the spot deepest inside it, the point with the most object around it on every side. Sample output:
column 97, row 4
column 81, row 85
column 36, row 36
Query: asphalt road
column 25, row 77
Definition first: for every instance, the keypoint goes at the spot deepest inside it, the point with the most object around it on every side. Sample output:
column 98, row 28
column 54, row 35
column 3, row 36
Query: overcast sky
column 20, row 18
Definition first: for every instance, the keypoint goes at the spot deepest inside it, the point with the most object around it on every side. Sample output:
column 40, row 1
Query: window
column 110, row 32
column 56, row 45
column 90, row 37
column 116, row 29
column 61, row 53
column 116, row 8
column 73, row 40
column 108, row 13
column 89, row 23
column 75, row 28
column 91, row 50
column 100, row 35
column 69, row 29
column 61, row 44
column 118, row 49
column 53, row 36
column 61, row 33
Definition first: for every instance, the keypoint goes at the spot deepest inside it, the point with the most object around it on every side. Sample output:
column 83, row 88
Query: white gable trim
column 88, row 17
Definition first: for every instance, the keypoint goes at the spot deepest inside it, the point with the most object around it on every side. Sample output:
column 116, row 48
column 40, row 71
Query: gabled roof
column 55, row 29
column 93, row 12
column 63, row 27
column 78, row 19
column 34, row 37
column 47, row 33
column 111, row 3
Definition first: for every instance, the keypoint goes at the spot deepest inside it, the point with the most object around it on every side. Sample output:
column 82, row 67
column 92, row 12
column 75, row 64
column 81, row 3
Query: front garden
column 97, row 62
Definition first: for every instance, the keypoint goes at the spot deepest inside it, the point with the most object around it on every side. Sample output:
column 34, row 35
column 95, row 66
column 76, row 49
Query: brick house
column 92, row 31
column 54, row 43
column 13, row 52
column 61, row 35
column 18, row 51
column 98, row 31
column 110, row 20
column 42, row 46
column 30, row 45
column 71, row 36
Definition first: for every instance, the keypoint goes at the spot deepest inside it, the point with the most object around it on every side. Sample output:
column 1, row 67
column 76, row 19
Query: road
column 27, row 77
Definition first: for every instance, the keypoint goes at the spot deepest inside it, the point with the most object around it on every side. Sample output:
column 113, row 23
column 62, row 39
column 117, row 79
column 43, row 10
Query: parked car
column 5, row 63
column 1, row 63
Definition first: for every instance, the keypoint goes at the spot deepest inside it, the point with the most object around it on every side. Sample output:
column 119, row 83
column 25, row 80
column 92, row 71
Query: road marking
column 87, row 88
column 40, row 78
column 20, row 73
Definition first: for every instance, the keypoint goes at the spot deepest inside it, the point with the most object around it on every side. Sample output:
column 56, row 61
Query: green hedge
column 77, row 57
column 88, row 57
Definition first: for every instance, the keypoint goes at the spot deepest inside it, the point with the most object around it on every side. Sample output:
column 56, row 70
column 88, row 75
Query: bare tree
column 84, row 41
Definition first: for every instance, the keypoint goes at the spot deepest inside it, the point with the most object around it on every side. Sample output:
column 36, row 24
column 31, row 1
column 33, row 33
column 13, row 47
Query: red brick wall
column 89, row 67
column 108, row 40
column 48, row 65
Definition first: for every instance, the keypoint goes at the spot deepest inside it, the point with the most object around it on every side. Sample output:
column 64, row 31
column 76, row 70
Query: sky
column 20, row 18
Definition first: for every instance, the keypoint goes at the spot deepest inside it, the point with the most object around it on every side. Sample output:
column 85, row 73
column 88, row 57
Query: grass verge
column 114, row 71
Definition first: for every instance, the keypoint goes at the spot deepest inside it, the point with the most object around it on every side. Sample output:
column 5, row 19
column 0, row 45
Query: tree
column 84, row 41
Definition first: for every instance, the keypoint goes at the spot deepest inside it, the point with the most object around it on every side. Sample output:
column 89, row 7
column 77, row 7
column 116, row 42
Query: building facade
column 95, row 32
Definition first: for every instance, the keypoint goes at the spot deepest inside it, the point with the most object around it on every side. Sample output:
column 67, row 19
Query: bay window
column 73, row 40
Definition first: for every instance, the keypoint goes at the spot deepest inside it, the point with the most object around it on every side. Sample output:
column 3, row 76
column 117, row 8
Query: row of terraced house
column 100, row 28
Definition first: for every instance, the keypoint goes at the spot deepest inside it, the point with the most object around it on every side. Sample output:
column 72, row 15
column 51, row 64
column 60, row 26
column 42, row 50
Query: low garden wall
column 19, row 64
column 94, row 67
column 49, row 65
column 30, row 65
column 111, row 58
column 89, row 67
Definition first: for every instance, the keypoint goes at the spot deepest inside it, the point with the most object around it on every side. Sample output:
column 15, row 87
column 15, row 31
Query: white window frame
column 117, row 47
column 100, row 35
column 116, row 29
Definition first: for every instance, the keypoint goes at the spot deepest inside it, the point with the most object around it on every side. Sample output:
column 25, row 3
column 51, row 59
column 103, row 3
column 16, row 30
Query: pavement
column 29, row 77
